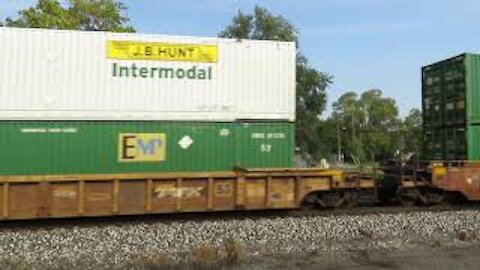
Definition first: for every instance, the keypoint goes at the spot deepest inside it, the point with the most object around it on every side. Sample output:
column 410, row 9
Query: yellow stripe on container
column 130, row 50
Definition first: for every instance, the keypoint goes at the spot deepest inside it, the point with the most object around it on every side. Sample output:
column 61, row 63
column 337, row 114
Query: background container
column 74, row 75
column 51, row 148
column 451, row 108
column 473, row 134
column 451, row 91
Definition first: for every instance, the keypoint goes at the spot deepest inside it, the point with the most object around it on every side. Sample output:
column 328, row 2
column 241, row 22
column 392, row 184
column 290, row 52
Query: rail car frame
column 89, row 195
column 432, row 182
column 56, row 196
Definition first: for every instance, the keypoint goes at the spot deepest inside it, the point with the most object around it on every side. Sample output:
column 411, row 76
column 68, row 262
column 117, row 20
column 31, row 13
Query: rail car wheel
column 407, row 196
column 331, row 199
column 310, row 202
column 352, row 199
column 432, row 197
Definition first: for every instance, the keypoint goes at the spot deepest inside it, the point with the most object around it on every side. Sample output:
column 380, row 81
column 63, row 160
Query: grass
column 466, row 236
column 229, row 253
column 233, row 251
column 14, row 264
column 366, row 233
column 156, row 261
column 206, row 255
column 367, row 258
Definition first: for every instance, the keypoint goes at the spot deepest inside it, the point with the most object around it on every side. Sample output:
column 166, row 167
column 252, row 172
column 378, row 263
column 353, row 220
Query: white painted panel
column 66, row 75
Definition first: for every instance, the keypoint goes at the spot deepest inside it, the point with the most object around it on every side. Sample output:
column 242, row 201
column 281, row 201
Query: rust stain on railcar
column 194, row 195
column 64, row 199
column 463, row 179
column 98, row 198
column 23, row 201
column 223, row 197
column 281, row 193
column 255, row 193
column 132, row 197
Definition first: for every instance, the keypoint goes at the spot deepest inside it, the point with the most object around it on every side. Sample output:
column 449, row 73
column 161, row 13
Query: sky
column 364, row 44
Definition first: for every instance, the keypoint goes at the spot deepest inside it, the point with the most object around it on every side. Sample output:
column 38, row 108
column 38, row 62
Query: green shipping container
column 473, row 135
column 451, row 108
column 434, row 145
column 453, row 143
column 451, row 92
column 51, row 148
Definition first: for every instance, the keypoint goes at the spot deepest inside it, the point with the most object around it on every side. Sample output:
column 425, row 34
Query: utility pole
column 353, row 125
column 339, row 142
column 353, row 109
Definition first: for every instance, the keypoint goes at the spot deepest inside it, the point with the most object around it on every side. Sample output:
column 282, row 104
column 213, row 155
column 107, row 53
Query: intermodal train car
column 99, row 124
column 95, row 123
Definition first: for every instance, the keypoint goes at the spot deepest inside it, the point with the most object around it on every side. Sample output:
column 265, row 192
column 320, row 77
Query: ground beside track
column 344, row 238
column 437, row 258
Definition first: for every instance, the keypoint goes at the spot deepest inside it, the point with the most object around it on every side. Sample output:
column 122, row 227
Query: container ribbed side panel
column 44, row 148
column 264, row 145
column 473, row 86
column 451, row 108
column 474, row 143
column 69, row 75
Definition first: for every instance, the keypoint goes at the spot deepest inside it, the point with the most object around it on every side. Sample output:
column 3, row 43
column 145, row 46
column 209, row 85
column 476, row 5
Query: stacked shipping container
column 451, row 108
column 87, row 102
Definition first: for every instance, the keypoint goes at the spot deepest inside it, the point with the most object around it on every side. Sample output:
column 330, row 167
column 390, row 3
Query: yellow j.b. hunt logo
column 161, row 51
column 142, row 147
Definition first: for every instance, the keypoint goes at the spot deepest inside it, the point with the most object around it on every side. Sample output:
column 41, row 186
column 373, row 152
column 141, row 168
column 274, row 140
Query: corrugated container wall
column 473, row 86
column 451, row 108
column 73, row 75
column 92, row 147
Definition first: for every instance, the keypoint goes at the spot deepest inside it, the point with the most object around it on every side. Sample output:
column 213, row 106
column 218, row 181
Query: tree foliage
column 261, row 25
column 87, row 15
column 371, row 124
column 311, row 84
column 412, row 133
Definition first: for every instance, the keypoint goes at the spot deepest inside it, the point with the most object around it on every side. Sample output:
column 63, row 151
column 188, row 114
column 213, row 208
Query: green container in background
column 434, row 145
column 451, row 108
column 51, row 148
column 453, row 143
column 451, row 91
column 473, row 88
column 473, row 135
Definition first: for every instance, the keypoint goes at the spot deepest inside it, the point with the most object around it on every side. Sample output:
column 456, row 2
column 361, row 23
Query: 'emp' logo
column 142, row 147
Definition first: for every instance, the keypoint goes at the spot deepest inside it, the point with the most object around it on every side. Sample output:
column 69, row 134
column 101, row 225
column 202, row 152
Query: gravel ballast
column 170, row 241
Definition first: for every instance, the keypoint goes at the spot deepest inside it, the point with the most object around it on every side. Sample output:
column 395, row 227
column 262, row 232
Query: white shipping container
column 73, row 75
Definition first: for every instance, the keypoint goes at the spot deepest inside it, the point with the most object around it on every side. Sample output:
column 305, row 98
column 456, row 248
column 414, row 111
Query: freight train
column 91, row 127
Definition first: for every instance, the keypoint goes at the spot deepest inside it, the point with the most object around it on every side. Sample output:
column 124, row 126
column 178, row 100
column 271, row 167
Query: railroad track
column 222, row 216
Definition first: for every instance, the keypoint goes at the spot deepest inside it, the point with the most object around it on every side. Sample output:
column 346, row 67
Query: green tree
column 87, row 15
column 311, row 84
column 412, row 133
column 380, row 124
column 327, row 132
column 371, row 122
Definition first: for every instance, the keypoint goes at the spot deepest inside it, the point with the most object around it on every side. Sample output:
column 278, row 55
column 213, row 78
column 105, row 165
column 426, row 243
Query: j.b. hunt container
column 75, row 75
column 99, row 147
column 109, row 124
